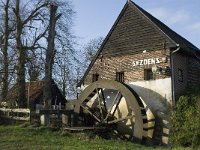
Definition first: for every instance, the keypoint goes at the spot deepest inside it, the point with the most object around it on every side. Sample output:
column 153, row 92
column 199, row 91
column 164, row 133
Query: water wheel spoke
column 100, row 102
column 86, row 108
column 116, row 106
column 121, row 119
column 116, row 99
column 104, row 101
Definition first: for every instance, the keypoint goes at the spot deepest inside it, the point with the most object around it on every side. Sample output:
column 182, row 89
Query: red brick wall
column 107, row 67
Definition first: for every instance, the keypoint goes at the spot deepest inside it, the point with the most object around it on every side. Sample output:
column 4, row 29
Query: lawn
column 15, row 137
column 41, row 138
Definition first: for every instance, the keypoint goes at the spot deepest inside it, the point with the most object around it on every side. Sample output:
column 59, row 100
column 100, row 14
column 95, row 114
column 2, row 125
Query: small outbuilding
column 34, row 95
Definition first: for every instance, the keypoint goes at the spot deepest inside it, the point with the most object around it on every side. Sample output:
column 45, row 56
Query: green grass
column 41, row 138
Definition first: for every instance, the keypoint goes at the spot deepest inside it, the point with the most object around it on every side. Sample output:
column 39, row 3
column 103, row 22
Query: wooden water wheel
column 113, row 105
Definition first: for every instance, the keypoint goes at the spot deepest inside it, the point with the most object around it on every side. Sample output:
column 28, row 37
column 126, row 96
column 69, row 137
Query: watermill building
column 152, row 61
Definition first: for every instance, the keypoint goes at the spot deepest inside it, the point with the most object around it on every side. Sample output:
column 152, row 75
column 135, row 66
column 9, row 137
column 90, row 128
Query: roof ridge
column 156, row 23
column 142, row 12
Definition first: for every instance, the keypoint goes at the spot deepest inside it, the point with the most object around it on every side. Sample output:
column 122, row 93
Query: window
column 164, row 51
column 95, row 77
column 120, row 76
column 180, row 75
column 148, row 74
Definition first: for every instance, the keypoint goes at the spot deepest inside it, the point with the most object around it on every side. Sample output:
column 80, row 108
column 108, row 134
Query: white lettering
column 146, row 62
column 134, row 64
column 157, row 61
column 153, row 61
column 149, row 61
column 141, row 62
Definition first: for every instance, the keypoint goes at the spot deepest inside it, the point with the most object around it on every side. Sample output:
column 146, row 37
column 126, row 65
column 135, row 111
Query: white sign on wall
column 150, row 61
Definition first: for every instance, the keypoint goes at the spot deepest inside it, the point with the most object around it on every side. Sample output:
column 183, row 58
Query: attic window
column 120, row 76
column 180, row 75
column 95, row 77
column 164, row 51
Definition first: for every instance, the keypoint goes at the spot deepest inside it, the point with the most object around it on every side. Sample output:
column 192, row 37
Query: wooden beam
column 87, row 109
column 121, row 119
column 116, row 99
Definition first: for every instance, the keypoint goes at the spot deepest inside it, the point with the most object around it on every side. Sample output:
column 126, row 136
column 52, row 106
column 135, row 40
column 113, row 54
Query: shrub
column 186, row 120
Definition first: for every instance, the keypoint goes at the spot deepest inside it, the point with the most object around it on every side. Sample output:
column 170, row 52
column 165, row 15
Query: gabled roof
column 172, row 36
column 34, row 91
column 176, row 38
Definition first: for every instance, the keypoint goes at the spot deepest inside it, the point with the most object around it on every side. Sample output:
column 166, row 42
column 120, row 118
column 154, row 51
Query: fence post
column 45, row 119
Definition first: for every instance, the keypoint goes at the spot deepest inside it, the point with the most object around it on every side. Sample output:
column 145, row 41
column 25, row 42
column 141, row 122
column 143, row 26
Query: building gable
column 134, row 31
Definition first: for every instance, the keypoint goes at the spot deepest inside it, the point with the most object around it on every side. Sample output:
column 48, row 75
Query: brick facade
column 107, row 67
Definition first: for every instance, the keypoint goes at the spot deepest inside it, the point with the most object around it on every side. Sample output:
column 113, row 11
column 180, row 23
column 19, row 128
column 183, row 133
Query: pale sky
column 95, row 18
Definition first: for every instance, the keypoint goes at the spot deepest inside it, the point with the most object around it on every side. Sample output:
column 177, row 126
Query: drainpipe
column 173, row 74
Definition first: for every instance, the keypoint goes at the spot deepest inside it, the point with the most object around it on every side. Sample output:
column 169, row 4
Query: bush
column 186, row 120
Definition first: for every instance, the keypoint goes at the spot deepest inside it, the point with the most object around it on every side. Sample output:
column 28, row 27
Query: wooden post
column 65, row 119
column 45, row 119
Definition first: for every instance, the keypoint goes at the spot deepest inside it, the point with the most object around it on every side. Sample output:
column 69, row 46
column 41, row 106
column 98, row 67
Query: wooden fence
column 16, row 114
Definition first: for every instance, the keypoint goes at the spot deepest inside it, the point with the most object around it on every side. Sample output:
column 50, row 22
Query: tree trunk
column 64, row 89
column 5, row 52
column 22, row 103
column 64, row 78
column 47, row 94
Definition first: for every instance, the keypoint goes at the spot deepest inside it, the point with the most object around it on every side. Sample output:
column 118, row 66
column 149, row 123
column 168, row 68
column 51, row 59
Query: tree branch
column 33, row 14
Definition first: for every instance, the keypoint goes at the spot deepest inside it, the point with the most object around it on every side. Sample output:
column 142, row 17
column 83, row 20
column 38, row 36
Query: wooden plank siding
column 193, row 72
column 180, row 62
column 133, row 34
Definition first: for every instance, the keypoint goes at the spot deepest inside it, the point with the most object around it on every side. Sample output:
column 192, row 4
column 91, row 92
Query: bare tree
column 65, row 53
column 61, row 70
column 91, row 48
column 22, row 47
column 33, row 68
column 5, row 38
column 7, row 28
column 80, row 65
column 50, row 53
column 35, row 27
